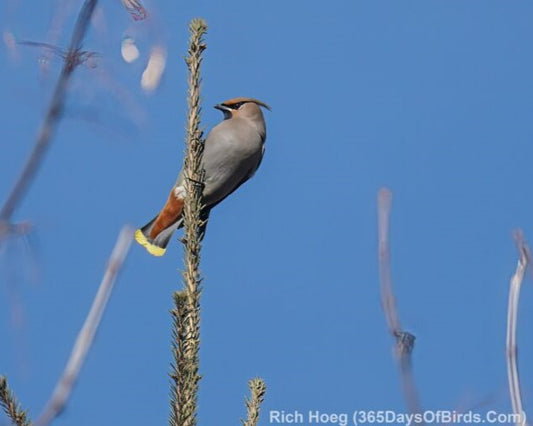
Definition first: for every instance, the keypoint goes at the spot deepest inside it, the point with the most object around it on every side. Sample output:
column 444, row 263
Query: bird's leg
column 200, row 182
column 197, row 183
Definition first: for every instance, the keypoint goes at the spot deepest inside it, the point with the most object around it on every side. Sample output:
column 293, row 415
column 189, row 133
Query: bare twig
column 405, row 341
column 53, row 114
column 85, row 338
column 512, row 313
column 253, row 405
column 186, row 345
column 9, row 404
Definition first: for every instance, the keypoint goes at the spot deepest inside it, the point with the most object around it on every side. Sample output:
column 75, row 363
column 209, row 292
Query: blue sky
column 432, row 99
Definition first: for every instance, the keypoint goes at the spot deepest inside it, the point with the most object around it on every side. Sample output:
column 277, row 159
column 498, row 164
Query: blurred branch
column 21, row 228
column 85, row 338
column 53, row 114
column 135, row 9
column 387, row 296
column 405, row 341
column 257, row 395
column 186, row 333
column 512, row 313
column 9, row 404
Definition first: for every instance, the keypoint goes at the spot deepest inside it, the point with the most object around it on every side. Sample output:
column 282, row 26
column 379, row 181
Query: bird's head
column 242, row 107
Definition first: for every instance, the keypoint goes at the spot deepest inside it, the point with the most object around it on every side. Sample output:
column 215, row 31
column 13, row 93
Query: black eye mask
column 237, row 105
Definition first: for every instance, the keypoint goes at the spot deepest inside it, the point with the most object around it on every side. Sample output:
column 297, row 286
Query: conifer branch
column 185, row 375
column 10, row 405
column 178, row 348
column 404, row 340
column 253, row 405
column 512, row 314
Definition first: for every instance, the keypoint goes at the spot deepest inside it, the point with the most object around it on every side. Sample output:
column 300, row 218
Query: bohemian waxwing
column 232, row 153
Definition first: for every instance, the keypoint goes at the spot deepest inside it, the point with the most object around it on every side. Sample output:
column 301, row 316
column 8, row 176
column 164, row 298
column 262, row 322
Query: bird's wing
column 246, row 177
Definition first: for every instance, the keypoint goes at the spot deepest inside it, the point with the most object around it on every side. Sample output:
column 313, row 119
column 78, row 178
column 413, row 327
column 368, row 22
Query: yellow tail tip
column 140, row 238
column 154, row 250
column 150, row 248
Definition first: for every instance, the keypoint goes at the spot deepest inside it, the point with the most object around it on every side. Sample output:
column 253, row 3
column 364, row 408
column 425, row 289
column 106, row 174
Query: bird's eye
column 237, row 105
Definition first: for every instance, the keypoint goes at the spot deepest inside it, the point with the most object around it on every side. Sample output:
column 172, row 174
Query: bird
column 232, row 154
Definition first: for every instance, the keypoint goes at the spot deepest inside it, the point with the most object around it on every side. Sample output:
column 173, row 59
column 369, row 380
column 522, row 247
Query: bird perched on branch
column 233, row 151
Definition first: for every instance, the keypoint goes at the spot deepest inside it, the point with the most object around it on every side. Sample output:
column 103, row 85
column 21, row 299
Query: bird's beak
column 223, row 108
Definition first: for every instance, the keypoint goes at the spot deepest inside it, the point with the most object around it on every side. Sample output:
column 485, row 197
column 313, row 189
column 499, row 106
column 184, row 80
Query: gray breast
column 233, row 151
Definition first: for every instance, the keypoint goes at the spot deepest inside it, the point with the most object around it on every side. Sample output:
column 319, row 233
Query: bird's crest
column 239, row 100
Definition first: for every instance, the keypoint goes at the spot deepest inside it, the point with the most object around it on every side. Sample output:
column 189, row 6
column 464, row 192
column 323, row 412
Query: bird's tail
column 155, row 235
column 158, row 245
